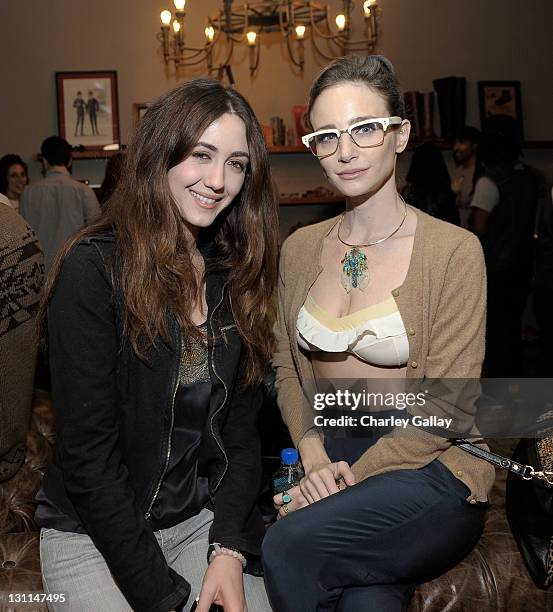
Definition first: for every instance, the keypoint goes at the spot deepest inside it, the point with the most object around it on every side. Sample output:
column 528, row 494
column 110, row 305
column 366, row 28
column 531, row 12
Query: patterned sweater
column 21, row 277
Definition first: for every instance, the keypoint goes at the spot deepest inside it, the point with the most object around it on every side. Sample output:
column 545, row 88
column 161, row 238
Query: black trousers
column 543, row 309
column 507, row 296
column 366, row 548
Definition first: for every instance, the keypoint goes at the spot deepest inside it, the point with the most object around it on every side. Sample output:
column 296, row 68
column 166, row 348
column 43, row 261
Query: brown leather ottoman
column 20, row 576
column 19, row 545
column 492, row 578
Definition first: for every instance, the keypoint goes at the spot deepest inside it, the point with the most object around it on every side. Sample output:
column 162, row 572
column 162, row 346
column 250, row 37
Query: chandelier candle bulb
column 210, row 33
column 253, row 44
column 341, row 22
column 176, row 26
column 300, row 35
column 179, row 4
column 165, row 18
column 300, row 32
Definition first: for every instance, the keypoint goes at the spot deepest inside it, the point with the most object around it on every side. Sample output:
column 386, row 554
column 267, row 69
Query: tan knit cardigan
column 442, row 303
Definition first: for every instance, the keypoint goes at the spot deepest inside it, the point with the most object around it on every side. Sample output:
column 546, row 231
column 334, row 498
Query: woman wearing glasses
column 383, row 291
column 159, row 328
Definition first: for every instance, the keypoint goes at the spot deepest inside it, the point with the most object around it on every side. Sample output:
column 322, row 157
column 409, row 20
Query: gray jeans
column 72, row 565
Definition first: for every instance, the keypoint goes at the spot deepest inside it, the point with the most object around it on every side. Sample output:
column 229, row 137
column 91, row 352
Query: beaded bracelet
column 219, row 550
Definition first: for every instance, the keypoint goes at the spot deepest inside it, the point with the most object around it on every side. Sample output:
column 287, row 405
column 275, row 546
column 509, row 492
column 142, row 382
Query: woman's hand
column 298, row 501
column 325, row 479
column 223, row 585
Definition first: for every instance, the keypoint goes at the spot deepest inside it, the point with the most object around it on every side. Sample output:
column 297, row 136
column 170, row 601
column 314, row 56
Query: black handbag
column 529, row 501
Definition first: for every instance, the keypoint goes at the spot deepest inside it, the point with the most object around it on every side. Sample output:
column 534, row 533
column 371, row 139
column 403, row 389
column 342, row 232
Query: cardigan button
column 411, row 332
column 459, row 473
column 395, row 292
column 472, row 501
column 414, row 364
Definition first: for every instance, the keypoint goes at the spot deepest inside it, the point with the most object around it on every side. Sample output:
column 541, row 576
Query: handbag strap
column 524, row 471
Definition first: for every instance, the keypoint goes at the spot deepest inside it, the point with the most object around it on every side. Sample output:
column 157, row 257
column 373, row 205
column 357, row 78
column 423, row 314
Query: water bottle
column 290, row 472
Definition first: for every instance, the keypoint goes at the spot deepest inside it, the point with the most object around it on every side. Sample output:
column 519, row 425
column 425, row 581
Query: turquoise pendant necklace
column 355, row 271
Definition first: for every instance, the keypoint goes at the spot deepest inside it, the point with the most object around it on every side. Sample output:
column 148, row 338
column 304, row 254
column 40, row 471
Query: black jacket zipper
column 216, row 412
column 147, row 515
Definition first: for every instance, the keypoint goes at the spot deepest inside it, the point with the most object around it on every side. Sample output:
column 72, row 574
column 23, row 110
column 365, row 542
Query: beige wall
column 479, row 39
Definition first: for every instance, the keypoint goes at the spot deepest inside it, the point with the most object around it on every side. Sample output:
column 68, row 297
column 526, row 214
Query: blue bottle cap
column 289, row 456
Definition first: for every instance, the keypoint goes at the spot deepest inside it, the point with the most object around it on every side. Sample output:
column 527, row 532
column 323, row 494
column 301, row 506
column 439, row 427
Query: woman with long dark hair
column 428, row 185
column 382, row 295
column 159, row 329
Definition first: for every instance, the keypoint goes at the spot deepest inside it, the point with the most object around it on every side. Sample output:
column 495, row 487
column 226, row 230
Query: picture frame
column 138, row 111
column 88, row 108
column 501, row 98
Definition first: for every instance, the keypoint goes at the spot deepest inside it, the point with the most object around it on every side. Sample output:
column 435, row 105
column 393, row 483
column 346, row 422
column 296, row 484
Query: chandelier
column 245, row 24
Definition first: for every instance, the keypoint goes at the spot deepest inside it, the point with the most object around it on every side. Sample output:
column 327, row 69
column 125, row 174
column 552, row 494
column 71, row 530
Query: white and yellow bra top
column 375, row 334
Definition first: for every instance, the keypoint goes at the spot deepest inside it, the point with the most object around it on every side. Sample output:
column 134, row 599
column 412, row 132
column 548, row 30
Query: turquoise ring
column 286, row 497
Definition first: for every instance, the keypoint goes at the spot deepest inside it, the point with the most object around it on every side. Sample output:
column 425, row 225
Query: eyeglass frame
column 385, row 122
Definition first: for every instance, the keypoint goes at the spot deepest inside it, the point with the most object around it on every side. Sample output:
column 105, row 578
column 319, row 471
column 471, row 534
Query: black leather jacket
column 114, row 420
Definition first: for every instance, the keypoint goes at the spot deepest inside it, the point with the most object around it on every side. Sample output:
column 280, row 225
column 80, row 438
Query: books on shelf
column 268, row 133
column 279, row 131
column 277, row 134
column 419, row 110
column 301, row 122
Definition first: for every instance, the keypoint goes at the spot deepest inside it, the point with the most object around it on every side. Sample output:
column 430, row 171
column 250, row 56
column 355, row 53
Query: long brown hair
column 156, row 272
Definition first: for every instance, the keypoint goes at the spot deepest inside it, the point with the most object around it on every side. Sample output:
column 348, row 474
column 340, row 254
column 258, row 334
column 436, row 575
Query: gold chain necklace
column 355, row 273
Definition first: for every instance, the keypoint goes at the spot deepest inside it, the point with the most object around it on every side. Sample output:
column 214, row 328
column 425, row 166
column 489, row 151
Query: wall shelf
column 301, row 150
column 287, row 149
column 95, row 154
column 444, row 145
column 89, row 154
column 99, row 154
column 286, row 201
column 537, row 144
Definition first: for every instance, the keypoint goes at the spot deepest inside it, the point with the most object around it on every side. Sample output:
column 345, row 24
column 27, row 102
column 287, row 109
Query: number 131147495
column 36, row 597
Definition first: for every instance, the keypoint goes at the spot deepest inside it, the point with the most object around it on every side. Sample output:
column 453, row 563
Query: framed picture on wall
column 138, row 111
column 88, row 109
column 500, row 98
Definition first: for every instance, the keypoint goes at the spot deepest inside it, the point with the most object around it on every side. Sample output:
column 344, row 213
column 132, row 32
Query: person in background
column 159, row 330
column 14, row 178
column 58, row 205
column 503, row 216
column 21, row 276
column 465, row 148
column 543, row 288
column 429, row 186
column 114, row 168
